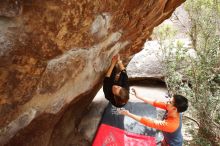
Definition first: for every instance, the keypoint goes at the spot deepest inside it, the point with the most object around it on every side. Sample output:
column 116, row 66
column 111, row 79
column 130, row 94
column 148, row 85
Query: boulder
column 53, row 57
column 148, row 64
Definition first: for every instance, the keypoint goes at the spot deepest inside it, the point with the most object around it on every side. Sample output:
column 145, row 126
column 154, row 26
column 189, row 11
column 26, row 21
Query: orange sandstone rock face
column 53, row 56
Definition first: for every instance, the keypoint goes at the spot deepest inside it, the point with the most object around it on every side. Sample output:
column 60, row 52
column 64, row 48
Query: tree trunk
column 208, row 130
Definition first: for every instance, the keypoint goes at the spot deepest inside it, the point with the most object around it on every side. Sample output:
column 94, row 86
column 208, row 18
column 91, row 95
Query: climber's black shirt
column 110, row 81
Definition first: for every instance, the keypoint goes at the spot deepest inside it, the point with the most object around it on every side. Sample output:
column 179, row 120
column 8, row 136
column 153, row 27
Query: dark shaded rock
column 10, row 8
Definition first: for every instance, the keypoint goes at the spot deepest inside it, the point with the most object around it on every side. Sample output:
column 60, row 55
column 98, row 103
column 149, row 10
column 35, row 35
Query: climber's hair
column 123, row 97
column 180, row 102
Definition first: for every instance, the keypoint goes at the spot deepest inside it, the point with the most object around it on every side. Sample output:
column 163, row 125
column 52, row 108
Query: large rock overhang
column 53, row 56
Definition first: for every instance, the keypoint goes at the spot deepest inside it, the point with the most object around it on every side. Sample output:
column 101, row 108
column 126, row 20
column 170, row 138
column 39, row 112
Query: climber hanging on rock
column 115, row 84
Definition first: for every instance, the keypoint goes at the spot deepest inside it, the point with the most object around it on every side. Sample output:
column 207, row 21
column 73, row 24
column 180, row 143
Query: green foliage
column 199, row 141
column 165, row 32
column 201, row 72
column 196, row 77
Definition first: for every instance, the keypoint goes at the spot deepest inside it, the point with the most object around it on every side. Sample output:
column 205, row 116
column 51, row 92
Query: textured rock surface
column 10, row 8
column 53, row 55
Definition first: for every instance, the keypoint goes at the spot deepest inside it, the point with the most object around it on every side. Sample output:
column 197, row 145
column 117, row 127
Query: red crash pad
column 112, row 136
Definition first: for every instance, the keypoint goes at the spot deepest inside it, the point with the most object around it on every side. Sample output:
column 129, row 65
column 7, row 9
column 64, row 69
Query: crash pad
column 112, row 136
column 124, row 126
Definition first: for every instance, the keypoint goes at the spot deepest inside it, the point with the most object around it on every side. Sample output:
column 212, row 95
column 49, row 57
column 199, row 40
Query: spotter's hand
column 133, row 92
column 123, row 112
